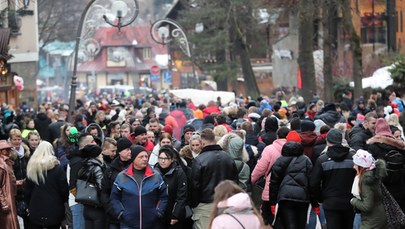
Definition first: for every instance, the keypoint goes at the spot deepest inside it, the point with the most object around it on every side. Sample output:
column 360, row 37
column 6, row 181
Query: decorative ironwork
column 164, row 31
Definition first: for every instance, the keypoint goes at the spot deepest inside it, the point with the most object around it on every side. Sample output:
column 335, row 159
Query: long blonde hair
column 223, row 191
column 42, row 160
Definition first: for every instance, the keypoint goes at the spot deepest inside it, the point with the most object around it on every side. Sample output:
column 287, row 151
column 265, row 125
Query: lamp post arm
column 75, row 57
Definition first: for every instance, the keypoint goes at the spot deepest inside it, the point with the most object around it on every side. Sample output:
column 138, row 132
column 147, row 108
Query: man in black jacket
column 211, row 167
column 331, row 182
column 362, row 132
column 54, row 128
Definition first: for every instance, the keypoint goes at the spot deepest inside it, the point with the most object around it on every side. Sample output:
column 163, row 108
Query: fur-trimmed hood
column 231, row 147
column 27, row 152
column 387, row 140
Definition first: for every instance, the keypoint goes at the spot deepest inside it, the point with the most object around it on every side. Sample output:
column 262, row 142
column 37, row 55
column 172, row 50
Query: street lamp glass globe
column 163, row 32
column 119, row 8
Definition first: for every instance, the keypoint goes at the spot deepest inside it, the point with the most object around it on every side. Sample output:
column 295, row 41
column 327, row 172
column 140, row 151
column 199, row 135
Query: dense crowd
column 163, row 162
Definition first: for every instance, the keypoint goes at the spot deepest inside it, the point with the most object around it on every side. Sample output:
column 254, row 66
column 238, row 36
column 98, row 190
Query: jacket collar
column 148, row 171
column 211, row 148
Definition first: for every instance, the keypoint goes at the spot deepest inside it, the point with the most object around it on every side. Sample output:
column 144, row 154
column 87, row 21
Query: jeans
column 312, row 220
column 357, row 221
column 77, row 216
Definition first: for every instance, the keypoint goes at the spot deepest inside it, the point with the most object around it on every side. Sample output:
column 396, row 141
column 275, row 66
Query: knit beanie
column 123, row 143
column 91, row 151
column 382, row 128
column 168, row 129
column 293, row 136
column 307, row 125
column 135, row 150
column 139, row 130
column 188, row 128
column 334, row 137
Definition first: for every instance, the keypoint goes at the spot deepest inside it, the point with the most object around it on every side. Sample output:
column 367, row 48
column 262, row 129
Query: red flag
column 299, row 83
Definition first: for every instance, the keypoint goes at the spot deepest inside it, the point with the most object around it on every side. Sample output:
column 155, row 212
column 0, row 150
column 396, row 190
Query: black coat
column 54, row 130
column 212, row 166
column 75, row 163
column 358, row 137
column 289, row 179
column 46, row 201
column 42, row 123
column 176, row 180
column 332, row 178
column 331, row 117
column 92, row 171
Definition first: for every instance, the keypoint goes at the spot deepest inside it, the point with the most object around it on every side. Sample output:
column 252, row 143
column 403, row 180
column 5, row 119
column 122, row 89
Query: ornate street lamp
column 164, row 31
column 120, row 9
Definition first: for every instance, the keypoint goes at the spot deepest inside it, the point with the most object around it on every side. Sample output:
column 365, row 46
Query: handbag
column 87, row 193
column 395, row 216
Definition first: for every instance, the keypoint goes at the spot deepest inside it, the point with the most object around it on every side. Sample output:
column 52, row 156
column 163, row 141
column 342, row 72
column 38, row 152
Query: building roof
column 134, row 38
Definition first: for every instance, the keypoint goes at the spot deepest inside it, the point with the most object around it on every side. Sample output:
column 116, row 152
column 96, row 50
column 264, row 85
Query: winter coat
column 318, row 148
column 330, row 118
column 379, row 146
column 358, row 137
column 20, row 169
column 8, row 190
column 42, row 123
column 139, row 205
column 269, row 156
column 206, row 173
column 239, row 206
column 234, row 146
column 209, row 110
column 370, row 204
column 176, row 181
column 270, row 128
column 109, row 176
column 332, row 178
column 290, row 180
column 92, row 172
column 308, row 139
column 45, row 201
column 75, row 163
column 54, row 130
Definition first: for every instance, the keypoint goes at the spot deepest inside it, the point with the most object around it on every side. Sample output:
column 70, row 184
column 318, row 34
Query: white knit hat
column 364, row 159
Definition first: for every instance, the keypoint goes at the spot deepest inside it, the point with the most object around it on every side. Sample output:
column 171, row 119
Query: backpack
column 395, row 168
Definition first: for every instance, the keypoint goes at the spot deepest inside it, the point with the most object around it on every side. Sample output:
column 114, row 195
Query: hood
column 100, row 131
column 380, row 169
column 177, row 114
column 233, row 145
column 237, row 202
column 387, row 140
column 292, row 149
column 338, row 152
column 271, row 124
column 308, row 138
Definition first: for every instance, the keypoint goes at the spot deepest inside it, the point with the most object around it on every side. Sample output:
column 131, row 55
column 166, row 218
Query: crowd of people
column 163, row 162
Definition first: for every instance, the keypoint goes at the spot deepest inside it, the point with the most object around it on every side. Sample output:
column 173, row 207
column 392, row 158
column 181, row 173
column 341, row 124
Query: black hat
column 139, row 130
column 135, row 150
column 307, row 125
column 91, row 151
column 334, row 137
column 188, row 128
column 123, row 143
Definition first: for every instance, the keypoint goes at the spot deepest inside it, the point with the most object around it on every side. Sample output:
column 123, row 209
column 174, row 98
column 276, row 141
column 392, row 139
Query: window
column 147, row 53
column 373, row 28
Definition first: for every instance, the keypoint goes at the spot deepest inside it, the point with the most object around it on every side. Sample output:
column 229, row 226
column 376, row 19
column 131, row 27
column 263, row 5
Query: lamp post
column 164, row 31
column 120, row 8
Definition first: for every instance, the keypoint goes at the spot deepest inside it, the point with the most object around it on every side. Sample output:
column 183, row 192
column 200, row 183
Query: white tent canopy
column 381, row 78
column 203, row 97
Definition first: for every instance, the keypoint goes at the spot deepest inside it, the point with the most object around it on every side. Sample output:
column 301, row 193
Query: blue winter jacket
column 139, row 207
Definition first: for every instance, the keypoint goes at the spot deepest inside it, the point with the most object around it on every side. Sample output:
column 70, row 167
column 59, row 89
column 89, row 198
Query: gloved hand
column 316, row 210
column 273, row 209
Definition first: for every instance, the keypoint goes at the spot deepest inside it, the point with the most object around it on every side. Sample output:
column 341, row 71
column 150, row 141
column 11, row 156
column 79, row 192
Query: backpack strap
column 236, row 220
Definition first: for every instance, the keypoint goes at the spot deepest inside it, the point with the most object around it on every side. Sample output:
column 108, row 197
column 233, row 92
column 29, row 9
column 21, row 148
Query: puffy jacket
column 139, row 205
column 176, row 180
column 237, row 206
column 92, row 171
column 269, row 156
column 358, row 137
column 206, row 173
column 332, row 178
column 289, row 179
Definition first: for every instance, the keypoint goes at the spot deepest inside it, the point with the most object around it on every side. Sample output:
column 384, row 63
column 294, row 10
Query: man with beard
column 139, row 137
column 155, row 127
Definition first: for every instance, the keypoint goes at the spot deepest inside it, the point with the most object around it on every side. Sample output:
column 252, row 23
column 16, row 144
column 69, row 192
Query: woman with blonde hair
column 46, row 189
column 233, row 208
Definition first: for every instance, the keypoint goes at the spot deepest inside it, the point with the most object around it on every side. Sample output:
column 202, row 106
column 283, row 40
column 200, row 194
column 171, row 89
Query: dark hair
column 247, row 126
column 370, row 115
column 241, row 112
column 324, row 129
column 282, row 132
column 168, row 150
column 165, row 135
column 221, row 119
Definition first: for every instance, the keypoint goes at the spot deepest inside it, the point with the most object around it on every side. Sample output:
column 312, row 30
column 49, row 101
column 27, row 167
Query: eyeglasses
column 164, row 158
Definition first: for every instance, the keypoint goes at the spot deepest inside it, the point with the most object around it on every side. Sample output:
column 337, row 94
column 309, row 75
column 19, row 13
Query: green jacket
column 370, row 205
